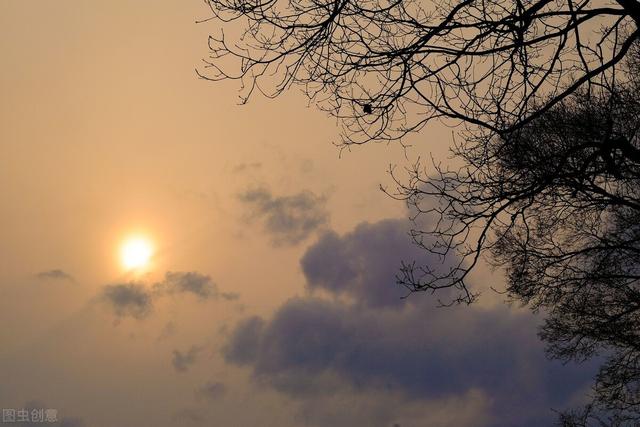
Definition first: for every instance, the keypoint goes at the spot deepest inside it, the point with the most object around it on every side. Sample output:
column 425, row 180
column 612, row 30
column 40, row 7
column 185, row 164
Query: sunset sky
column 260, row 290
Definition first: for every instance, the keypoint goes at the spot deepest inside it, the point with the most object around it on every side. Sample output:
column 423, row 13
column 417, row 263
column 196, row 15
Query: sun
column 136, row 253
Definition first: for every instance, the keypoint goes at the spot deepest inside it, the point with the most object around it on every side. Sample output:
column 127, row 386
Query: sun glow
column 136, row 253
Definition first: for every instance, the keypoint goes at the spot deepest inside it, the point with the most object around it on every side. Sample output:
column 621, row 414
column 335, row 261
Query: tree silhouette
column 544, row 189
column 557, row 203
column 548, row 93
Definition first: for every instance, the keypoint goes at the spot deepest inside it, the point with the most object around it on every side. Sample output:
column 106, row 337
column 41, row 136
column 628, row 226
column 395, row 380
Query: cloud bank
column 364, row 340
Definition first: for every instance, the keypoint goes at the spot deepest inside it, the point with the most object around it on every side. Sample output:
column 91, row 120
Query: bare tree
column 557, row 183
column 556, row 202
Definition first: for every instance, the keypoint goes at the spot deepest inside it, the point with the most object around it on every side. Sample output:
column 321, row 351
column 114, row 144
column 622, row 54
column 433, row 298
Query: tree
column 548, row 96
column 557, row 203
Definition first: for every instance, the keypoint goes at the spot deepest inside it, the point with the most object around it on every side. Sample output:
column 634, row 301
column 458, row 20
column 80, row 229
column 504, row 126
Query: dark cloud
column 423, row 352
column 313, row 348
column 212, row 390
column 55, row 274
column 426, row 352
column 245, row 344
column 363, row 263
column 129, row 299
column 136, row 299
column 192, row 282
column 183, row 360
column 289, row 219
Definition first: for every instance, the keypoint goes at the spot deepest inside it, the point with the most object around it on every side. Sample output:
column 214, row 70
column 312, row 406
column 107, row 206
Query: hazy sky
column 270, row 297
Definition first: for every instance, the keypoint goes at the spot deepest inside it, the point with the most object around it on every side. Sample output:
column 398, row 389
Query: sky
column 269, row 298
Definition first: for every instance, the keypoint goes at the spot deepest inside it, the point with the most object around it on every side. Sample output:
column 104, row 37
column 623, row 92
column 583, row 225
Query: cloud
column 55, row 274
column 212, row 390
column 372, row 342
column 313, row 349
column 229, row 296
column 245, row 344
column 129, row 299
column 194, row 283
column 348, row 408
column 363, row 263
column 136, row 299
column 182, row 361
column 288, row 219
